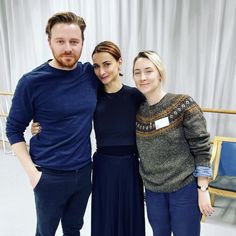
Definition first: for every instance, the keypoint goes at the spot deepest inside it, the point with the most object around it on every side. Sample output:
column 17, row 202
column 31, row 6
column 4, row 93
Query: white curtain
column 195, row 38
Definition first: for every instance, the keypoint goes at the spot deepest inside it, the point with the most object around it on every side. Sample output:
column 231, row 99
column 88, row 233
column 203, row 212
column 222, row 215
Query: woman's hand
column 35, row 128
column 204, row 203
column 204, row 200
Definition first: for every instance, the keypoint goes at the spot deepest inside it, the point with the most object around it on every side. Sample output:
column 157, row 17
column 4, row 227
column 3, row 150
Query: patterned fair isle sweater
column 172, row 140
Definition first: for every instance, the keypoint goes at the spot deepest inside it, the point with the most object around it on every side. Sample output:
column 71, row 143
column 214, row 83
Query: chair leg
column 213, row 196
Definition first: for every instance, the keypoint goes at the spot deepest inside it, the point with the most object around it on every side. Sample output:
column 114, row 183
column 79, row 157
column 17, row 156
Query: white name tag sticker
column 161, row 123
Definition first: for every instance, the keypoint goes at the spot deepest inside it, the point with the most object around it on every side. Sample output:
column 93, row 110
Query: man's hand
column 34, row 178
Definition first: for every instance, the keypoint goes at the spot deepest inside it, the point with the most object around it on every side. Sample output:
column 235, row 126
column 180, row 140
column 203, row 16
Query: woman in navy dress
column 117, row 194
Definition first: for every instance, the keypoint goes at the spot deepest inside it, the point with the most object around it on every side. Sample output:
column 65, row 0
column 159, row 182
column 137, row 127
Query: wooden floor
column 17, row 214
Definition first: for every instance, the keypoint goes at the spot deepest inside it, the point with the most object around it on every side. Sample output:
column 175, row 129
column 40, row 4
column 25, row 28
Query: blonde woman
column 173, row 145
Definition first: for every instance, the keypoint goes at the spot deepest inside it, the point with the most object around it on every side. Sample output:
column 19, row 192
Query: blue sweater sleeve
column 21, row 112
column 202, row 171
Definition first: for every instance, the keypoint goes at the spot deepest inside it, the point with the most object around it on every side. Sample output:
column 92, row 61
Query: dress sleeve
column 139, row 98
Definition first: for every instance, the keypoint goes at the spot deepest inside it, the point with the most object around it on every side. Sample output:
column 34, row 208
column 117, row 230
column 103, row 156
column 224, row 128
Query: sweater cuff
column 16, row 139
column 202, row 171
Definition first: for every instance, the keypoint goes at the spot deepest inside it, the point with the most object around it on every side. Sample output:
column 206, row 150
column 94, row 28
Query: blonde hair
column 155, row 59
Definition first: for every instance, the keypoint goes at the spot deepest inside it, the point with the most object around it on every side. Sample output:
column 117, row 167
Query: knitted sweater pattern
column 170, row 154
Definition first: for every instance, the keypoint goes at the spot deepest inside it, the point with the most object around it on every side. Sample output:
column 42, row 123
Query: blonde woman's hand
column 204, row 202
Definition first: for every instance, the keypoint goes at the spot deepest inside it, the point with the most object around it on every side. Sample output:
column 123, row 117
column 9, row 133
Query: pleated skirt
column 117, row 196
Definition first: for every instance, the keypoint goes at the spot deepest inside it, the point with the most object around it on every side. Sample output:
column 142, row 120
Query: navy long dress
column 117, row 195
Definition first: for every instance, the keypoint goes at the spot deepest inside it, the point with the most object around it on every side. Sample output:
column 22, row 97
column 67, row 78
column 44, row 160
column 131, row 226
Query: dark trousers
column 176, row 212
column 62, row 196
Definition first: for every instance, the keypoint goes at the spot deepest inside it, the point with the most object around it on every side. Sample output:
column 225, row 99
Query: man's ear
column 120, row 61
column 49, row 42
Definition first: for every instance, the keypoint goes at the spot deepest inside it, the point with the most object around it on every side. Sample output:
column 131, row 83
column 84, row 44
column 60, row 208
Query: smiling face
column 106, row 67
column 66, row 44
column 146, row 76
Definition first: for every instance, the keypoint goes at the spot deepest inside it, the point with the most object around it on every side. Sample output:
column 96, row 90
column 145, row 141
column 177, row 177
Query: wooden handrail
column 213, row 110
column 3, row 114
column 6, row 93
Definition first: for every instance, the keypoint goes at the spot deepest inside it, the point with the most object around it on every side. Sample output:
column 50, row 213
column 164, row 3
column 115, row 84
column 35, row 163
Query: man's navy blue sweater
column 63, row 102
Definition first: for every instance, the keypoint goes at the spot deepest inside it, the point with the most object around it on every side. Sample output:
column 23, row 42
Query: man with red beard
column 61, row 95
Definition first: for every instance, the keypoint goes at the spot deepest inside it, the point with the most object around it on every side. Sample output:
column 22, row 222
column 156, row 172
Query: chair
column 223, row 160
column 224, row 168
